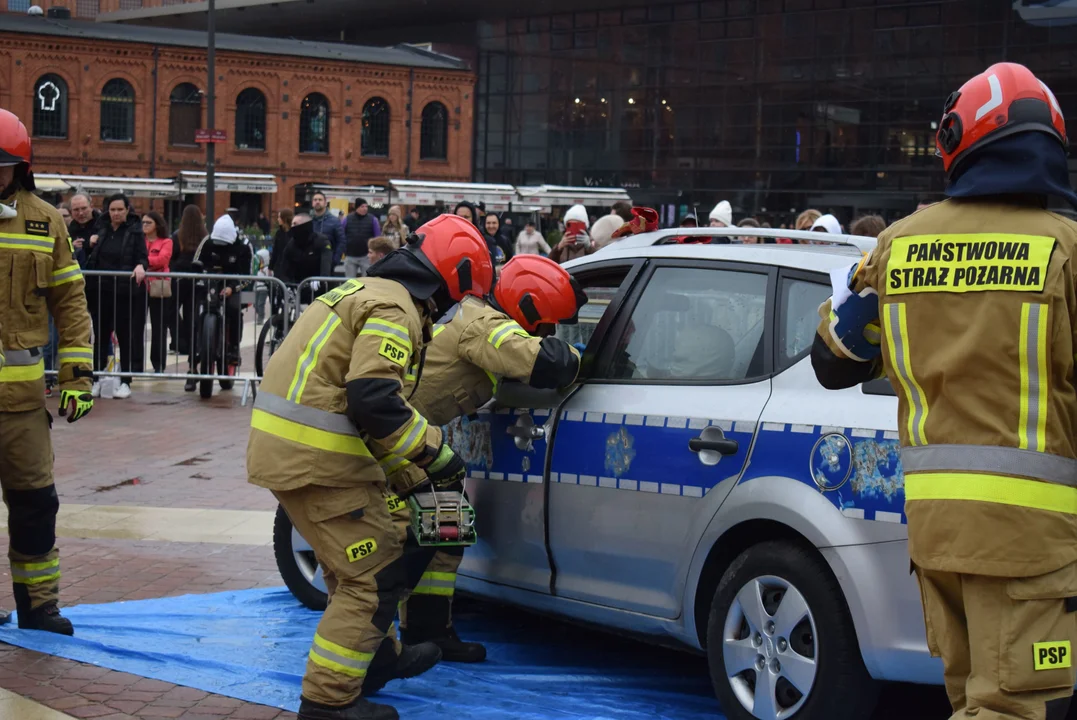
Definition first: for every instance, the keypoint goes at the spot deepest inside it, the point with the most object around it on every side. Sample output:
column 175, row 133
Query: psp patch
column 396, row 353
column 1052, row 655
column 394, row 503
column 37, row 227
column 362, row 549
column 976, row 262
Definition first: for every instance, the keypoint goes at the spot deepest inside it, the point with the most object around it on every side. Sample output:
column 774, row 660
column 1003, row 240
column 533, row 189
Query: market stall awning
column 50, row 183
column 132, row 187
column 194, row 182
column 376, row 195
column 544, row 198
column 417, row 192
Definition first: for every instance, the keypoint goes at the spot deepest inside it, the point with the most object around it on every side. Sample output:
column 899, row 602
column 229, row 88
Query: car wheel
column 297, row 564
column 781, row 643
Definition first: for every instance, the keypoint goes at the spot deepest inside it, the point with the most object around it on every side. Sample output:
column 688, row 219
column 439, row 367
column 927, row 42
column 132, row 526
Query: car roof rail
column 668, row 236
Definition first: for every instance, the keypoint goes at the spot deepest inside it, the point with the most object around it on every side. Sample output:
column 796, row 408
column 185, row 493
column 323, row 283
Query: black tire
column 293, row 577
column 207, row 360
column 268, row 339
column 842, row 687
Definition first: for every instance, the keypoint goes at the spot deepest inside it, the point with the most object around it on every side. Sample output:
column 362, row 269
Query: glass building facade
column 775, row 105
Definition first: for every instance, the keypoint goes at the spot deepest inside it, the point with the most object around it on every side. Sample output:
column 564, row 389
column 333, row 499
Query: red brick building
column 125, row 101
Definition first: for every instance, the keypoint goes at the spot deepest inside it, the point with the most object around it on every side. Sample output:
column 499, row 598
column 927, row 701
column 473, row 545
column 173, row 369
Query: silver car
column 698, row 485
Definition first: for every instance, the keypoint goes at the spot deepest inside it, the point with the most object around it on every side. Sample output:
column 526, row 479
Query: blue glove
column 579, row 346
column 855, row 326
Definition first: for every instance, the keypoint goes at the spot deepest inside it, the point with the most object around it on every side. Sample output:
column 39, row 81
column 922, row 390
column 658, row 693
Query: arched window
column 184, row 114
column 314, row 124
column 375, row 140
column 118, row 111
column 434, row 134
column 50, row 107
column 251, row 120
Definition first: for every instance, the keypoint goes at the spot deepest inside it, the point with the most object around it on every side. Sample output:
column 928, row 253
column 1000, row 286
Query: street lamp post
column 211, row 92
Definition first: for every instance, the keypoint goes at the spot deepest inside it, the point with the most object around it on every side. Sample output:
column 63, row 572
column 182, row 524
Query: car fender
column 796, row 505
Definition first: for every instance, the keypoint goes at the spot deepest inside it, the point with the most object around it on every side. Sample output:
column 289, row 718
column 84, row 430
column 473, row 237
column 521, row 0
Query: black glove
column 446, row 469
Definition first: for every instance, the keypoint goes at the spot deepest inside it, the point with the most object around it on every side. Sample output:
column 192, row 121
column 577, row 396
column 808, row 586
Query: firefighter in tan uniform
column 331, row 400
column 44, row 279
column 507, row 336
column 969, row 306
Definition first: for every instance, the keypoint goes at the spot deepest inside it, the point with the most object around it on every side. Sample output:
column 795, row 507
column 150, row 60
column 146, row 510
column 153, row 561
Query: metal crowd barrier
column 134, row 331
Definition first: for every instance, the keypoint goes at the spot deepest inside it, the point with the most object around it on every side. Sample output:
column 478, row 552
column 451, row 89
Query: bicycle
column 211, row 341
column 273, row 331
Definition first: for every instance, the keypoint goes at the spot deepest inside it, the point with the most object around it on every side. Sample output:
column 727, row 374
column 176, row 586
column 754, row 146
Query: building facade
column 774, row 105
column 108, row 101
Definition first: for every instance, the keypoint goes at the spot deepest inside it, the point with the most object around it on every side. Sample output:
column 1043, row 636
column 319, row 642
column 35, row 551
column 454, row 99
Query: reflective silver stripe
column 43, row 245
column 358, row 666
column 1032, row 385
column 991, row 460
column 21, row 357
column 503, row 332
column 375, row 324
column 418, row 426
column 66, row 274
column 311, row 417
column 26, row 576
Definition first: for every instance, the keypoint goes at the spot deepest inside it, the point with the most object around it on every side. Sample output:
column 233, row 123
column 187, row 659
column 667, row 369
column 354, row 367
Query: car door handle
column 527, row 432
column 725, row 446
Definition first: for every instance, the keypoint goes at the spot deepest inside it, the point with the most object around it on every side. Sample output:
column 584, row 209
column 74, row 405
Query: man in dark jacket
column 359, row 227
column 327, row 223
column 308, row 254
column 84, row 220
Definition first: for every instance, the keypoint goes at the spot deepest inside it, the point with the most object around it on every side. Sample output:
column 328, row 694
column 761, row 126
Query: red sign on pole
column 210, row 136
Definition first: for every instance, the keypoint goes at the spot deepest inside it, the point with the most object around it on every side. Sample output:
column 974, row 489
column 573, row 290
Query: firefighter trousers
column 1006, row 643
column 427, row 610
column 360, row 551
column 30, row 496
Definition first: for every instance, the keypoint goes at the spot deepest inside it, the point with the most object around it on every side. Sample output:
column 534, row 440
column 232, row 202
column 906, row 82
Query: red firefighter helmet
column 535, row 291
column 1001, row 101
column 453, row 248
column 15, row 146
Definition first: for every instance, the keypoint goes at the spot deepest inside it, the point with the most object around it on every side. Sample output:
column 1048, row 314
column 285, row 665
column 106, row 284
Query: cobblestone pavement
column 163, row 448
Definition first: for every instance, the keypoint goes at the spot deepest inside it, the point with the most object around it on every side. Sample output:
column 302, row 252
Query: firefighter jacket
column 41, row 277
column 471, row 351
column 331, row 395
column 978, row 318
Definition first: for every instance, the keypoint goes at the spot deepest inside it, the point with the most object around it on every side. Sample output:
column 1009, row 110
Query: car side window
column 695, row 324
column 799, row 302
column 601, row 288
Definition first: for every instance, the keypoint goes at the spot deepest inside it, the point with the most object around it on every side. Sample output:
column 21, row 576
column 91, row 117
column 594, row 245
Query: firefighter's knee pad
column 391, row 587
column 32, row 519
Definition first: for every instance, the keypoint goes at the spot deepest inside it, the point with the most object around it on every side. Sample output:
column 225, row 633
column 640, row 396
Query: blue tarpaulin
column 253, row 644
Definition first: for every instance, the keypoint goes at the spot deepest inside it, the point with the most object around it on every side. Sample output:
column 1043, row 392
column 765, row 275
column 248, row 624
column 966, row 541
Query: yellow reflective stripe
column 70, row 355
column 384, row 328
column 64, row 275
column 19, row 241
column 897, row 334
column 22, row 373
column 438, row 329
column 500, row 333
column 309, row 436
column 991, row 488
column 436, row 583
column 391, row 463
column 309, row 358
column 493, row 379
column 1032, row 428
column 35, row 573
column 415, row 433
column 339, row 658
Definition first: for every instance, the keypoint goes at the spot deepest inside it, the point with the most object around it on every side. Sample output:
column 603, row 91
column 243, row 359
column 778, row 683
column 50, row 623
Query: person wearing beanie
column 827, row 224
column 576, row 242
column 359, row 228
column 968, row 308
column 226, row 252
column 722, row 215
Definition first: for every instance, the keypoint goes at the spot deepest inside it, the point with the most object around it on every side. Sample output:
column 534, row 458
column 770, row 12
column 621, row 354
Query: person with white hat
column 576, row 242
column 827, row 224
column 722, row 215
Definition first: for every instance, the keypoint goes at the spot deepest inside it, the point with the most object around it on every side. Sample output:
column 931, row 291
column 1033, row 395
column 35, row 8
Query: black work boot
column 453, row 649
column 47, row 618
column 413, row 660
column 361, row 709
